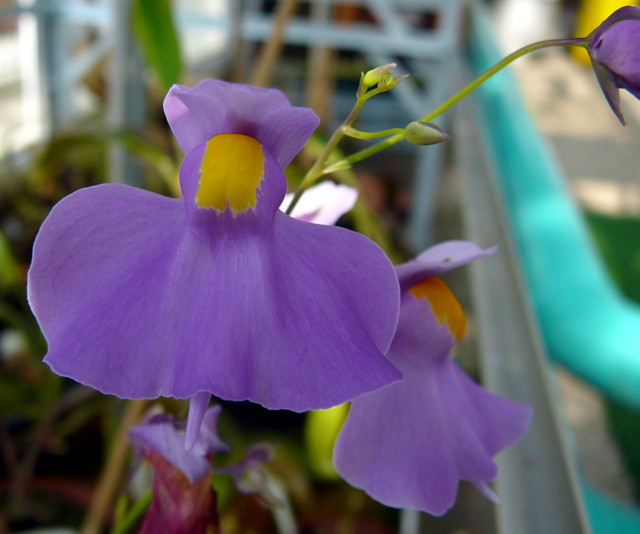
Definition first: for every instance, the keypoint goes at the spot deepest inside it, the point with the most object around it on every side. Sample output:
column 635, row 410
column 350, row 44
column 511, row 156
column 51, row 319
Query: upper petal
column 211, row 107
column 438, row 260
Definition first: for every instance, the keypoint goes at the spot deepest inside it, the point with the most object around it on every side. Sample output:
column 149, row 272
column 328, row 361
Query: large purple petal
column 94, row 242
column 408, row 445
column 211, row 107
column 138, row 301
column 438, row 260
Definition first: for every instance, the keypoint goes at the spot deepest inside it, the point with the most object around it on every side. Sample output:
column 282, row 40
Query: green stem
column 137, row 510
column 364, row 154
column 359, row 134
column 316, row 169
column 451, row 101
column 397, row 134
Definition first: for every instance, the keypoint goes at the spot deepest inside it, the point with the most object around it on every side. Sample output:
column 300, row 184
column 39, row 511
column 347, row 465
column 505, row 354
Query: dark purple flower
column 614, row 48
column 183, row 501
column 408, row 445
column 141, row 295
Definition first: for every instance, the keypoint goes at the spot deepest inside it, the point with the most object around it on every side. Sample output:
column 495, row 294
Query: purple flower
column 165, row 435
column 141, row 295
column 183, row 501
column 614, row 48
column 409, row 444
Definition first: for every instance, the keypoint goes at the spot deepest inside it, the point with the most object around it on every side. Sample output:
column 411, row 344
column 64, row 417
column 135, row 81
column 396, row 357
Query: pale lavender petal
column 211, row 107
column 165, row 436
column 610, row 89
column 409, row 444
column 247, row 474
column 324, row 203
column 439, row 259
column 198, row 405
column 486, row 490
column 207, row 441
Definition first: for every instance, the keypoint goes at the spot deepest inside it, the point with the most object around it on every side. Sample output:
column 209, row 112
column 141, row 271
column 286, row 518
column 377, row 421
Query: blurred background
column 81, row 89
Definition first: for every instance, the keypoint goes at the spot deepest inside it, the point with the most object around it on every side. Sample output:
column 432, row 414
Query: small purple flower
column 165, row 435
column 614, row 48
column 183, row 501
column 221, row 293
column 409, row 444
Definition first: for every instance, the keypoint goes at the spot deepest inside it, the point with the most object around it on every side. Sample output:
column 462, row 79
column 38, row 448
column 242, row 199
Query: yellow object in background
column 590, row 15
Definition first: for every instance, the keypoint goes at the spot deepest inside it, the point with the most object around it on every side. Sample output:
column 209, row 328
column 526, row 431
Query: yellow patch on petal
column 230, row 173
column 444, row 304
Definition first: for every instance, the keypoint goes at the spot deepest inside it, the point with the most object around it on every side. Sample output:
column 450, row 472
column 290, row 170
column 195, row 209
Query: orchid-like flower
column 183, row 501
column 408, row 445
column 614, row 48
column 141, row 296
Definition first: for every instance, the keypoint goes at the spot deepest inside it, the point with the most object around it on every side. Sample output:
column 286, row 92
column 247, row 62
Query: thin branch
column 271, row 49
column 113, row 469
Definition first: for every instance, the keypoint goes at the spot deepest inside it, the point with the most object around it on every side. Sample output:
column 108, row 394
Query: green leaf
column 10, row 272
column 156, row 32
column 321, row 431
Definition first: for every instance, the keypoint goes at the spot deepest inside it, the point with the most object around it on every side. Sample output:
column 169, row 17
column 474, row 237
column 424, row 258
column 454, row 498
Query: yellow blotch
column 230, row 173
column 444, row 304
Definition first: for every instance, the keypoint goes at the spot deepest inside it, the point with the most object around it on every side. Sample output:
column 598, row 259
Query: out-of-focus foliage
column 51, row 430
column 154, row 26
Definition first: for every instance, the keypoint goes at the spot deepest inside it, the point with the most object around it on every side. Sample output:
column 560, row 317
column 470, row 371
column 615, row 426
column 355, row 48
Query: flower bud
column 373, row 77
column 389, row 82
column 614, row 48
column 425, row 133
